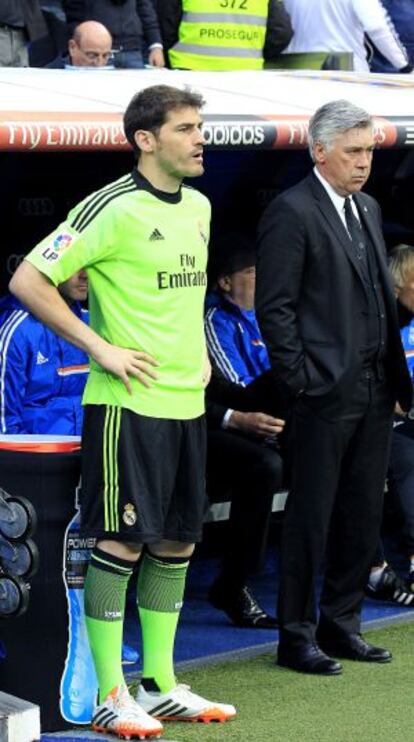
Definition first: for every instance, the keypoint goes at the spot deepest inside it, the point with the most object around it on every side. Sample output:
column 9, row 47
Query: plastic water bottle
column 79, row 685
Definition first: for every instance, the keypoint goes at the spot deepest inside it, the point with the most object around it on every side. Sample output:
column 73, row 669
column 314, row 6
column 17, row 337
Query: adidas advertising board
column 244, row 109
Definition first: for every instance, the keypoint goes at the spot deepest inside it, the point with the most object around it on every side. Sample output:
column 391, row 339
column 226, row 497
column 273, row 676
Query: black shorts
column 143, row 478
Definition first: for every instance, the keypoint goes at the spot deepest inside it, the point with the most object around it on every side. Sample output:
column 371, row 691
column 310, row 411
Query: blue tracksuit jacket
column 234, row 341
column 42, row 376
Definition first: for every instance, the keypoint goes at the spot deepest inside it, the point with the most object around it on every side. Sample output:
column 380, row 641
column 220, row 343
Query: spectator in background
column 21, row 22
column 43, row 376
column 90, row 46
column 133, row 25
column 222, row 35
column 401, row 13
column 243, row 454
column 340, row 25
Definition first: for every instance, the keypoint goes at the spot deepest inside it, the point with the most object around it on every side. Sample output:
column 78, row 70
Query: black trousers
column 253, row 472
column 334, row 509
column 401, row 479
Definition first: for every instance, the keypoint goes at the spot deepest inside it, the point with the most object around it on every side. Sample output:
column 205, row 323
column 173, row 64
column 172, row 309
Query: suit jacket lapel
column 335, row 222
column 370, row 223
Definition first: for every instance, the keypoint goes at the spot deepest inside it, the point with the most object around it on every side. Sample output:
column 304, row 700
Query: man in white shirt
column 341, row 25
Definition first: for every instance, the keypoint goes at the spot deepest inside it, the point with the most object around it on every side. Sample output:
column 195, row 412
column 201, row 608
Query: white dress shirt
column 337, row 200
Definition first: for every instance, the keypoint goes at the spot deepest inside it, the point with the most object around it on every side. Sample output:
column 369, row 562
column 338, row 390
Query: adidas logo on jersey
column 156, row 235
column 40, row 359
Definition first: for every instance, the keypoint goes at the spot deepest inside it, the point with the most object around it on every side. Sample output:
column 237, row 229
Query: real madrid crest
column 202, row 233
column 129, row 515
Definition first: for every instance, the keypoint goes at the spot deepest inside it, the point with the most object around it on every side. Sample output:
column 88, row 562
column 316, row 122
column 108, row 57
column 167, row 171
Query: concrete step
column 19, row 719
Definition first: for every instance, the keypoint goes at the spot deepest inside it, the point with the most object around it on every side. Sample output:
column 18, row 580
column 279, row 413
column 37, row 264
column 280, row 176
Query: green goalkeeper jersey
column 145, row 253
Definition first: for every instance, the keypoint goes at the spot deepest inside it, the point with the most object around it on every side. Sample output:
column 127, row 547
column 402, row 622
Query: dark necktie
column 354, row 230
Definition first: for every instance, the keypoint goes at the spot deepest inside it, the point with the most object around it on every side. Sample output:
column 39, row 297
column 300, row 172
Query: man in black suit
column 327, row 312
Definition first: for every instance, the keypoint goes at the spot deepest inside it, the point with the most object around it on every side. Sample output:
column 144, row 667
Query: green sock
column 160, row 596
column 105, row 590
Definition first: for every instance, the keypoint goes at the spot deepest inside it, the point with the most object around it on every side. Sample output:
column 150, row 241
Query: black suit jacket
column 311, row 298
column 258, row 396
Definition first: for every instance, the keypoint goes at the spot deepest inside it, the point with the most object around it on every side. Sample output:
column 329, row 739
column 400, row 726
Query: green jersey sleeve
column 67, row 250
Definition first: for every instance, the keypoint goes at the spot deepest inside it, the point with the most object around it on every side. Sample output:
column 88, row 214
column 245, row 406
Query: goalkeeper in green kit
column 143, row 243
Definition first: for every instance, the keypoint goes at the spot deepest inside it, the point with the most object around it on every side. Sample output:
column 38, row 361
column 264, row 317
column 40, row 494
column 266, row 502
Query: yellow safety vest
column 221, row 35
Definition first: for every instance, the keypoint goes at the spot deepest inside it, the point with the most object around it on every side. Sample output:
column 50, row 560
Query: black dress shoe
column 354, row 647
column 307, row 658
column 242, row 608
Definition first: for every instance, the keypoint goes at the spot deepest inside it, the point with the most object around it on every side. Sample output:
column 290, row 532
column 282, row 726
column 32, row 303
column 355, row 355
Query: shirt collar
column 337, row 200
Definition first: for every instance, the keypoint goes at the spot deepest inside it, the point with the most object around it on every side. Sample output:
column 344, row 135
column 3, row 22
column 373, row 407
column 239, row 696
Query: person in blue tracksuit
column 243, row 454
column 42, row 376
column 234, row 338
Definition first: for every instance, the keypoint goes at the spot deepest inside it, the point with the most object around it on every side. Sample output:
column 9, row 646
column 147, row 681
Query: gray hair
column 334, row 118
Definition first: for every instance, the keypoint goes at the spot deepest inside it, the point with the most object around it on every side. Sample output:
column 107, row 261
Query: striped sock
column 160, row 595
column 105, row 590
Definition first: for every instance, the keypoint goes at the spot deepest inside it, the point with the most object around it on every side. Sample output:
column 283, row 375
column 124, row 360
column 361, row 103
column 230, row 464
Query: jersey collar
column 144, row 184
